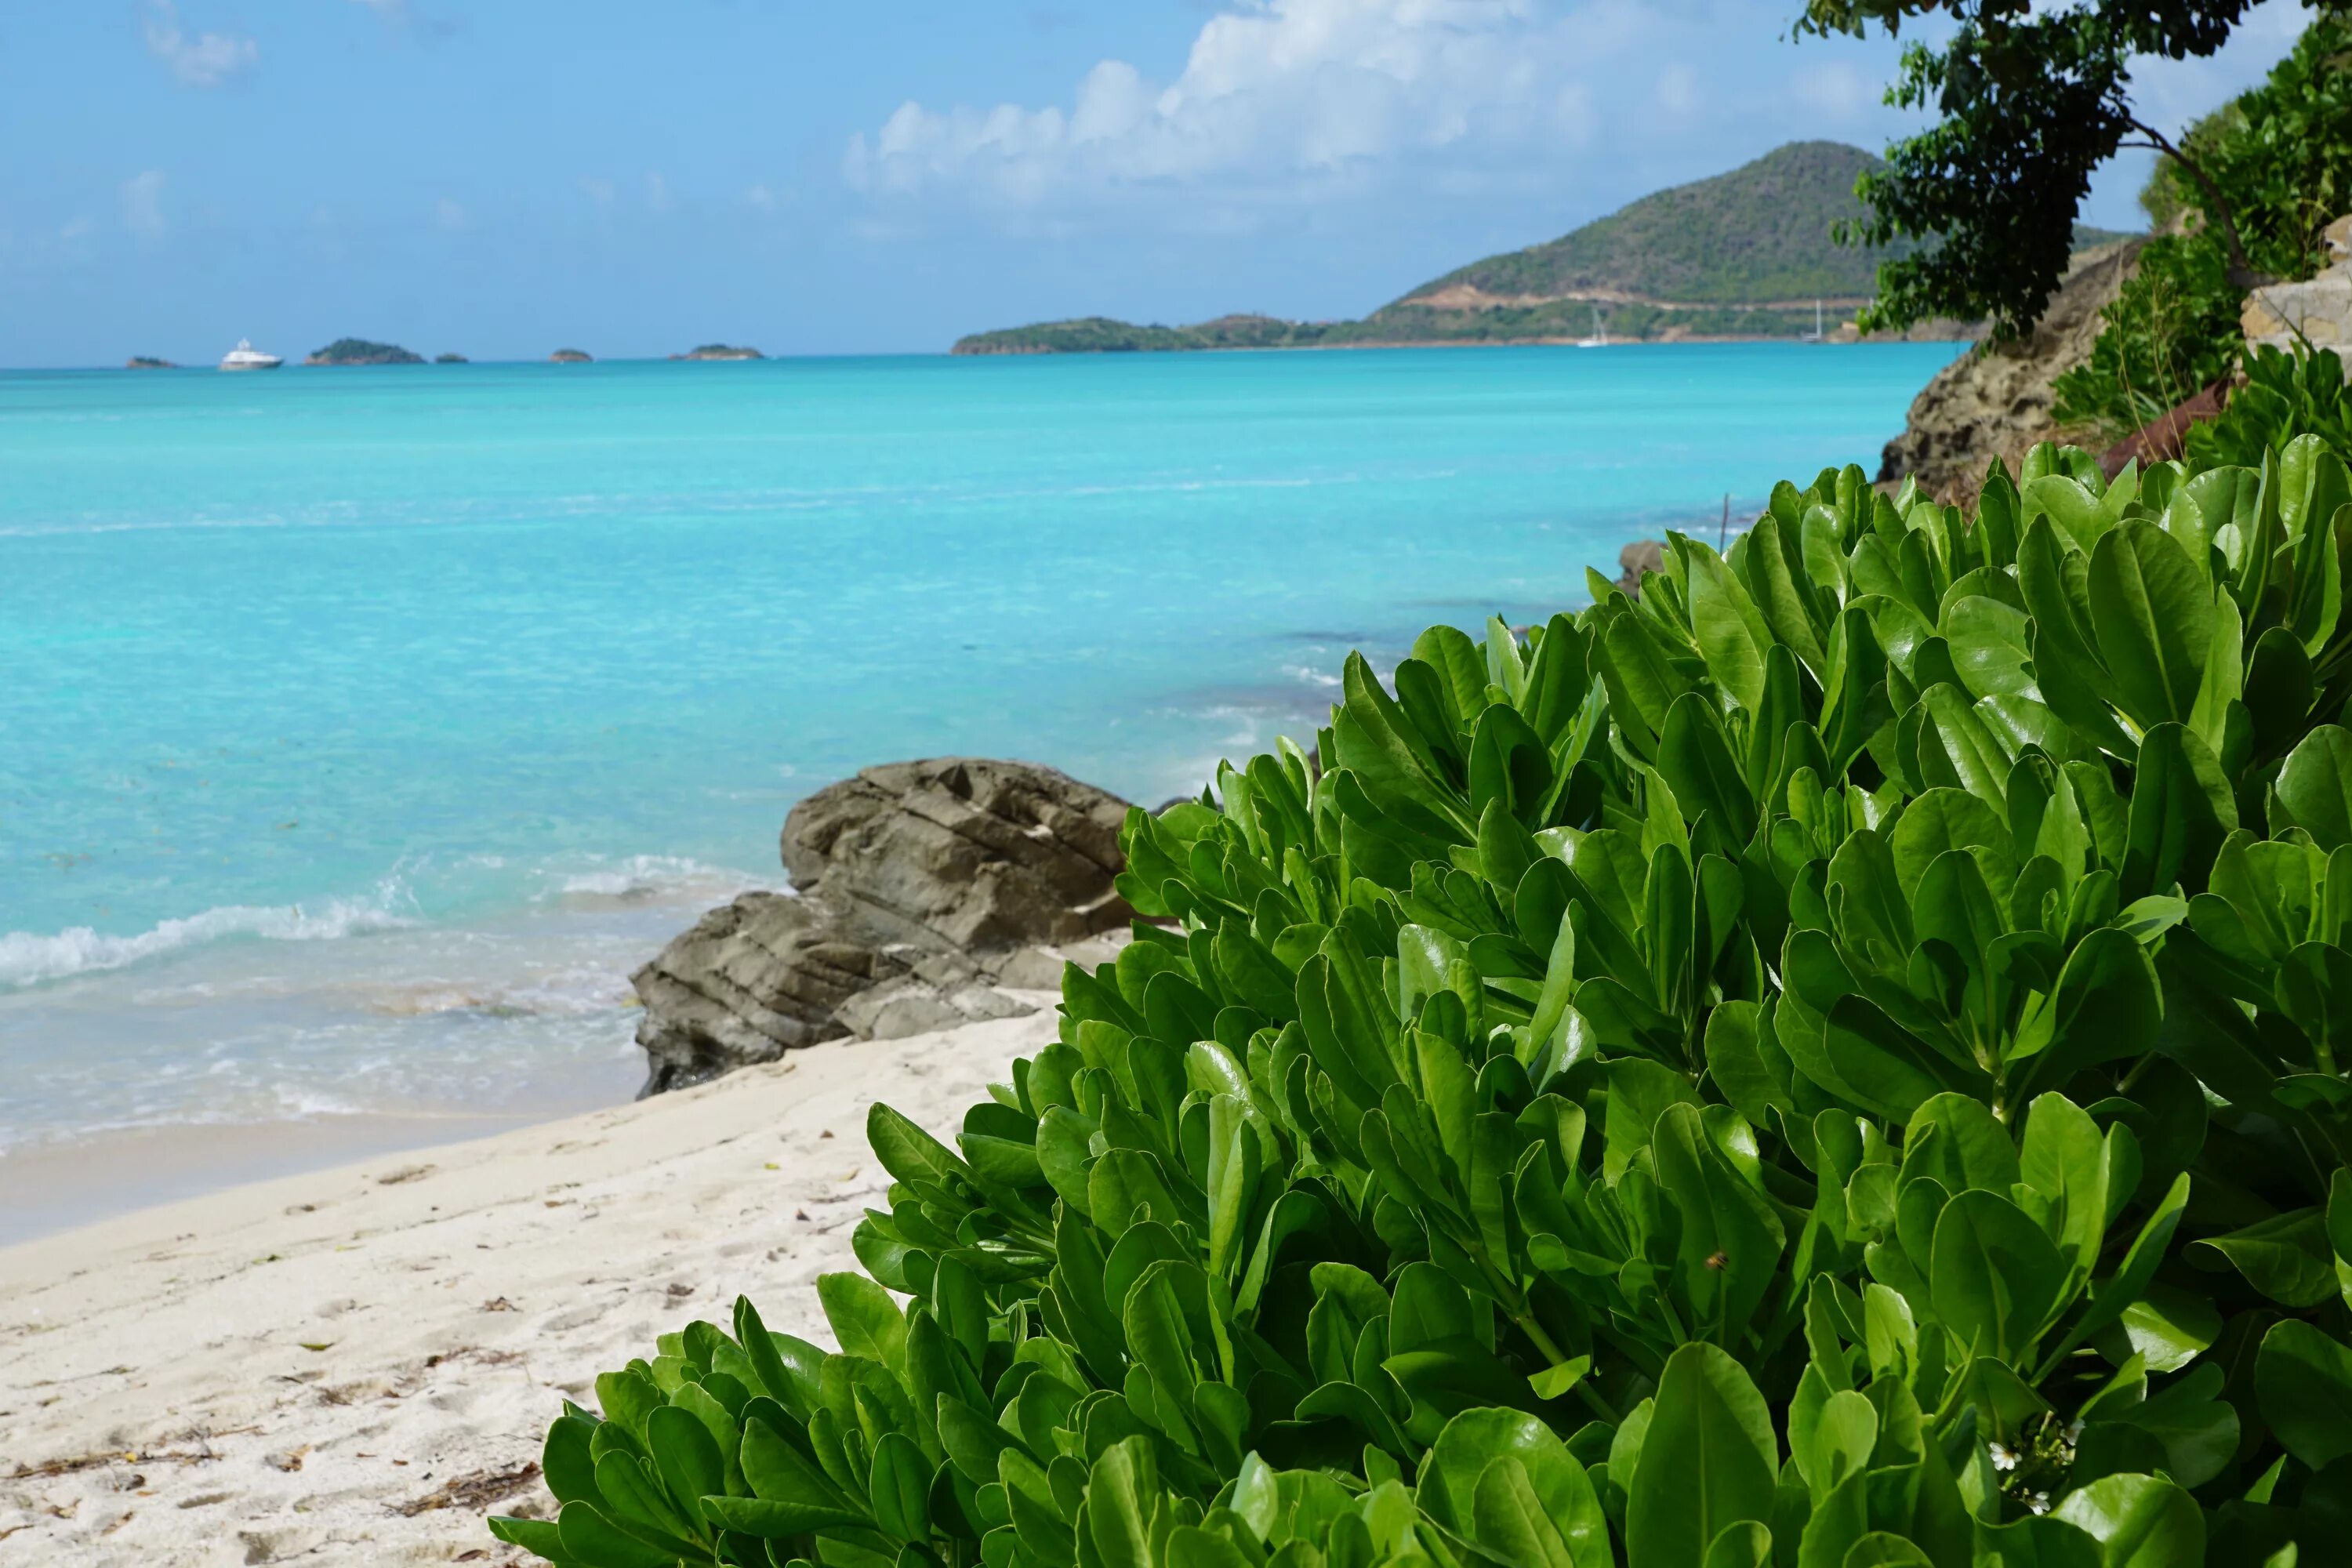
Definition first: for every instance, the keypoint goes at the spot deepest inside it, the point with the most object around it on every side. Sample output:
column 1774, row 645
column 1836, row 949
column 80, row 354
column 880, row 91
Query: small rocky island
column 570, row 356
column 360, row 351
column 451, row 359
column 148, row 362
column 719, row 350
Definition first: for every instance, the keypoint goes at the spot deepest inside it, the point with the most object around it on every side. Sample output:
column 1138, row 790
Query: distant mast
column 1600, row 338
column 1815, row 335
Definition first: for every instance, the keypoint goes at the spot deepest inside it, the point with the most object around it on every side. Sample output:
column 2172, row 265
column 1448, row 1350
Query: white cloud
column 206, row 59
column 761, row 198
column 142, row 204
column 1278, row 96
column 449, row 216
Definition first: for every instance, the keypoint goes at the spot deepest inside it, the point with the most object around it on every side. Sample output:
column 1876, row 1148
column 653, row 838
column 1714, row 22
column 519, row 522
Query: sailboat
column 1600, row 338
column 1815, row 335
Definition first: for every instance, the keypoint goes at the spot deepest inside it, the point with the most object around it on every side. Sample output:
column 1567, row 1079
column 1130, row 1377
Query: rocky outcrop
column 720, row 352
column 1995, row 402
column 1642, row 556
column 2312, row 315
column 570, row 356
column 925, row 893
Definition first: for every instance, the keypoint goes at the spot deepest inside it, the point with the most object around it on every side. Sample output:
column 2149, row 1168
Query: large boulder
column 1995, row 402
column 925, row 894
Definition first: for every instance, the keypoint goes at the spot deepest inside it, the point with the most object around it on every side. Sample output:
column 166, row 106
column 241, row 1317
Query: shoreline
column 357, row 1362
column 89, row 1178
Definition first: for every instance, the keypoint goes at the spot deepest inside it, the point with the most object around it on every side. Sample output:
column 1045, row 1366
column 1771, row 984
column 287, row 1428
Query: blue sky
column 501, row 180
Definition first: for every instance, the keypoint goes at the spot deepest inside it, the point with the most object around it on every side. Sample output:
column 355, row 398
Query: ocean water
column 360, row 729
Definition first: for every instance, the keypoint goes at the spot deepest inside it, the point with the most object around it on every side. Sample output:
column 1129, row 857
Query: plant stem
column 1551, row 1354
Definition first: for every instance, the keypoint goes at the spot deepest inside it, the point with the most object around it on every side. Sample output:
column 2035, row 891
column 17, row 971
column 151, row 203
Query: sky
column 501, row 180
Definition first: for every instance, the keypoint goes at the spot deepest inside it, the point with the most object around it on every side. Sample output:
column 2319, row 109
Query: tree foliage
column 2031, row 100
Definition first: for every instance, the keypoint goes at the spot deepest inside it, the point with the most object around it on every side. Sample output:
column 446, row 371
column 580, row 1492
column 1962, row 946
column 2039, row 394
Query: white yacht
column 244, row 356
column 1600, row 338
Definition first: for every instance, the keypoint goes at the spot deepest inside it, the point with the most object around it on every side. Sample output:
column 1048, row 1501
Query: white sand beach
column 354, row 1365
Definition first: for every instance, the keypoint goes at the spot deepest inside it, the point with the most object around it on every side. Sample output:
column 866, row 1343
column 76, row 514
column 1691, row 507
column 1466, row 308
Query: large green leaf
column 2315, row 786
column 2286, row 1258
column 2139, row 1521
column 2305, row 1381
column 1708, row 1460
column 2152, row 611
column 1996, row 1276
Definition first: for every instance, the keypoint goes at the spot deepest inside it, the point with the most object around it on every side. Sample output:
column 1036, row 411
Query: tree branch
column 2241, row 271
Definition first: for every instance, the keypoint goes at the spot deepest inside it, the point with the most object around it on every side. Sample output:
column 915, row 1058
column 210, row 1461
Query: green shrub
column 2171, row 329
column 2285, row 395
column 1838, row 1062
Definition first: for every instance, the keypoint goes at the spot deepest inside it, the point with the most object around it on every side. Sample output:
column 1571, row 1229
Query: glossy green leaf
column 2304, row 1379
column 2139, row 1521
column 2314, row 787
column 2152, row 612
column 1996, row 1275
column 588, row 1537
column 1708, row 1460
column 2287, row 1257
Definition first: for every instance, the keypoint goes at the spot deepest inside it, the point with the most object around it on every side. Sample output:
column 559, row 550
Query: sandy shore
column 353, row 1365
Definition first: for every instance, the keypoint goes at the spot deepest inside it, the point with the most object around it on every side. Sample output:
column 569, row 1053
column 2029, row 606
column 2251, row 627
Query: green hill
column 1759, row 234
column 360, row 351
column 1741, row 255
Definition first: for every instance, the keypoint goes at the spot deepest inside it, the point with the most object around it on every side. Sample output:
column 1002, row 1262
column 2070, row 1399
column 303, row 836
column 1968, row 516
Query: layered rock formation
column 1995, row 402
column 924, row 892
column 2314, row 314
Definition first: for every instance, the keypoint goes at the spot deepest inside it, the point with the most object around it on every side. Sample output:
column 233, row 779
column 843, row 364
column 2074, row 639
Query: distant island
column 719, row 350
column 358, row 351
column 451, row 359
column 570, row 356
column 1742, row 256
column 148, row 362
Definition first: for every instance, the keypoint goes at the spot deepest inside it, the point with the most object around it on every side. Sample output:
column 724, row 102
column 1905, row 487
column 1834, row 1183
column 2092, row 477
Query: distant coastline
column 1745, row 257
column 1049, row 338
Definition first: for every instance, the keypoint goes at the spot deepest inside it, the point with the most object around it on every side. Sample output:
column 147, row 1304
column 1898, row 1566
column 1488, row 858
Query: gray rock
column 1644, row 555
column 2312, row 315
column 923, row 893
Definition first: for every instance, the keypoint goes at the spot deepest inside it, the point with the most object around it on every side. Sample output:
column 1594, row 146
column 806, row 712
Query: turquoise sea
column 360, row 728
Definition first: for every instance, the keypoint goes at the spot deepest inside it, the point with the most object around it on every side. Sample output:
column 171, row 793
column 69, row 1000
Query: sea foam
column 32, row 958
